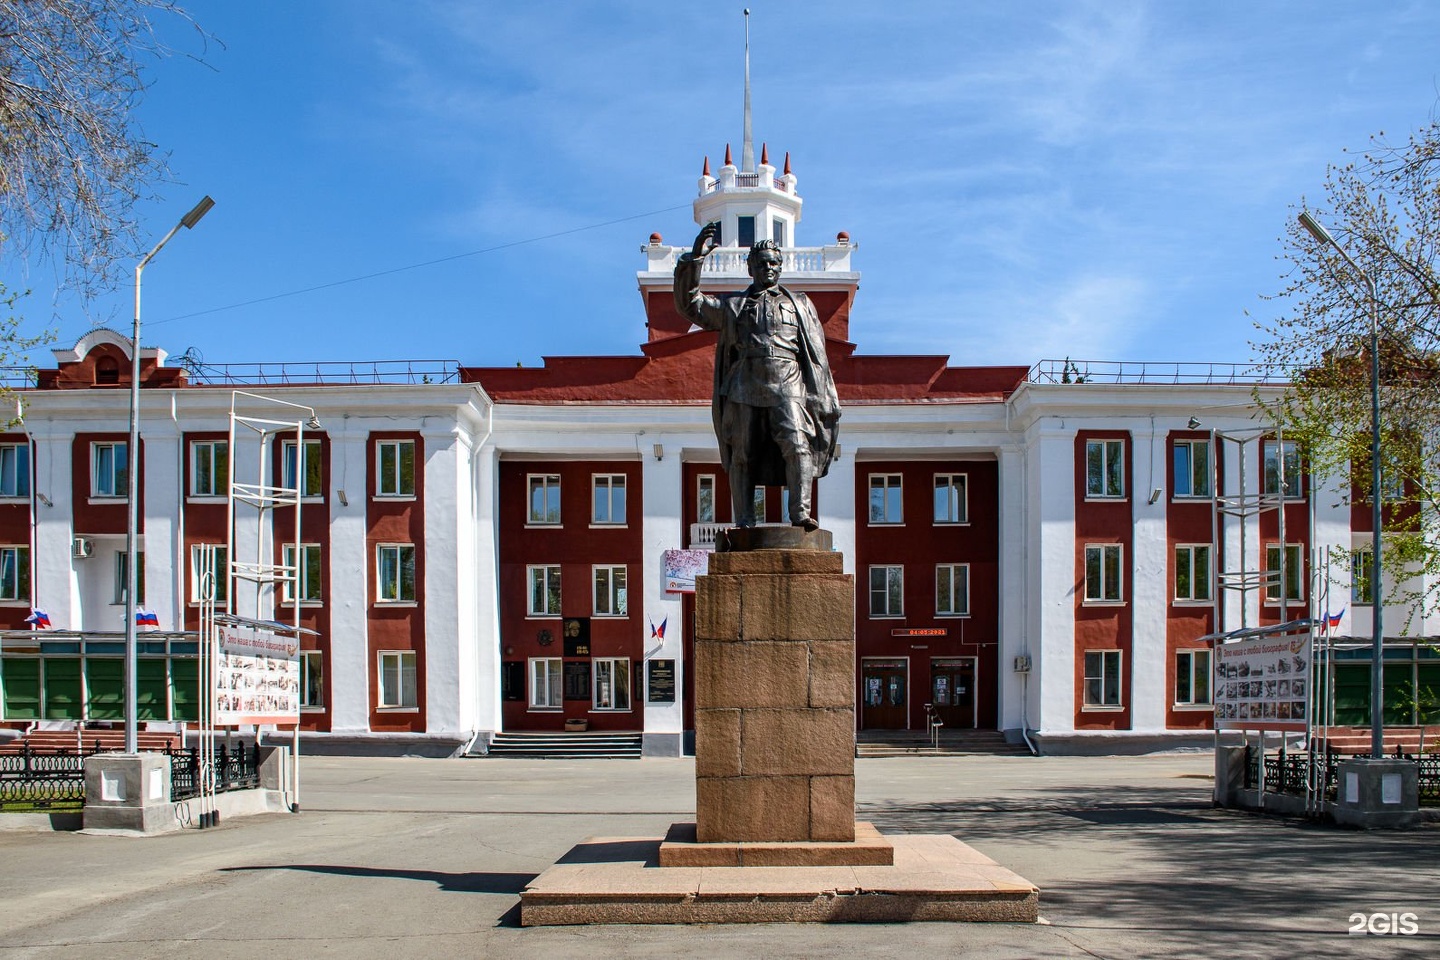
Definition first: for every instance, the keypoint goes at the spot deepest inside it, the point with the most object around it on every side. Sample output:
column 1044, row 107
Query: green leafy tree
column 1383, row 209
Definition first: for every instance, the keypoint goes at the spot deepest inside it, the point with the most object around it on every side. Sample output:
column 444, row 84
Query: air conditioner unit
column 1022, row 663
column 82, row 547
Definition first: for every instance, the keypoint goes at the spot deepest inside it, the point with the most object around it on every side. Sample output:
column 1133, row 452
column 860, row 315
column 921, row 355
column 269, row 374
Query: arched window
column 107, row 370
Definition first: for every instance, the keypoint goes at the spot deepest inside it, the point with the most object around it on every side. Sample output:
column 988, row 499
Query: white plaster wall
column 487, row 599
column 1150, row 581
column 55, row 584
column 447, row 481
column 1332, row 543
column 347, row 580
column 836, row 507
column 661, row 510
column 1052, row 581
column 166, row 585
column 1014, row 588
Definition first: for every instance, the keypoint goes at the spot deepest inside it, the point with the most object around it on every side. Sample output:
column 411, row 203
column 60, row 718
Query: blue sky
column 1025, row 180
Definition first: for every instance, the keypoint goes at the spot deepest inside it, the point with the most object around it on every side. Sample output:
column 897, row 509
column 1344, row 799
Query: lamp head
column 1315, row 228
column 196, row 212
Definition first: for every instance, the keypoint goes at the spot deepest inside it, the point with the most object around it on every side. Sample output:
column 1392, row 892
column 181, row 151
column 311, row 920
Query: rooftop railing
column 1156, row 373
column 367, row 372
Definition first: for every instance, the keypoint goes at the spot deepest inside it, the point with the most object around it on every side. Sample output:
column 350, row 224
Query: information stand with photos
column 1264, row 683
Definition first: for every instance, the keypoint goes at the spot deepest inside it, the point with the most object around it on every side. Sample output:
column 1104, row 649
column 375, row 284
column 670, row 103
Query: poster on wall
column 257, row 676
column 577, row 636
column 682, row 567
column 1262, row 684
column 661, row 681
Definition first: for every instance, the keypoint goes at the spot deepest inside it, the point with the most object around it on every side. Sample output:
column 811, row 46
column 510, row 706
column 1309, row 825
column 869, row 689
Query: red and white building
column 1035, row 547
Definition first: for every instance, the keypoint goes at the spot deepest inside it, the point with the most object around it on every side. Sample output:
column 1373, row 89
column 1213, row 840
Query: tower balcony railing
column 730, row 261
column 1142, row 372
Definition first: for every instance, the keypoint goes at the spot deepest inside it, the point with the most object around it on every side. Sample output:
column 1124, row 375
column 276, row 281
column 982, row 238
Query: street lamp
column 1377, row 596
column 132, row 513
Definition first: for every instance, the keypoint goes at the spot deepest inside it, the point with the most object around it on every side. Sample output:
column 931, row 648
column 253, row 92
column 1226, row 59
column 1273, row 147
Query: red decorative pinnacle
column 728, row 162
column 765, row 154
column 706, row 171
column 787, row 163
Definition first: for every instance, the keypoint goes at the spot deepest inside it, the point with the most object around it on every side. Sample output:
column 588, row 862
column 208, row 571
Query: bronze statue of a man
column 774, row 402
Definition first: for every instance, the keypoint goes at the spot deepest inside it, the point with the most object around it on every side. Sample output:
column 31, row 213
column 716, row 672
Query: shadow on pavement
column 511, row 883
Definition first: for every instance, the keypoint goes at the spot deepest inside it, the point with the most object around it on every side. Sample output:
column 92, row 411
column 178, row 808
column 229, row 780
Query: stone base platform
column 679, row 849
column 620, row 880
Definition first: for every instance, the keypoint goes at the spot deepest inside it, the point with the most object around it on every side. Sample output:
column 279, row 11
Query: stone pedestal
column 775, row 698
column 1378, row 793
column 129, row 792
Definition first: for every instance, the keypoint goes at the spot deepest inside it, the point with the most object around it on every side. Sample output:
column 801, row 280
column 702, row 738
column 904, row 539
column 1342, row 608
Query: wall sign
column 577, row 681
column 577, row 637
column 660, row 676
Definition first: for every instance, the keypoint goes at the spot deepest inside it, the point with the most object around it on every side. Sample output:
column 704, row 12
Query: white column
column 449, row 693
column 662, row 510
column 1052, row 576
column 487, row 596
column 836, row 508
column 1015, row 541
column 167, row 587
column 56, row 585
column 346, row 582
column 1149, row 588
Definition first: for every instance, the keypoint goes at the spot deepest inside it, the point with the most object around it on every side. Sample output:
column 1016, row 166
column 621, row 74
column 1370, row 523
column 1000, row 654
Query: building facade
column 1038, row 549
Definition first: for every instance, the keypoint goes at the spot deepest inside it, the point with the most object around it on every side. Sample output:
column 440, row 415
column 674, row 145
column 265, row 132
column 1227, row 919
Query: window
column 745, row 227
column 759, row 502
column 395, row 565
column 610, row 591
column 1362, row 563
column 1192, row 468
column 544, row 591
column 307, row 575
column 1192, row 572
column 777, row 231
column 395, row 460
column 111, row 470
column 397, row 679
column 15, row 573
column 544, row 498
column 1104, row 468
column 608, row 491
column 952, row 589
column 612, row 684
column 1102, row 573
column 209, row 468
column 887, row 591
column 1293, row 575
column 1290, row 465
column 312, row 680
column 1192, row 677
column 1392, row 481
column 14, row 469
column 122, row 581
column 885, row 503
column 220, row 573
column 307, row 478
column 545, row 683
column 705, row 498
column 1102, row 678
column 951, row 498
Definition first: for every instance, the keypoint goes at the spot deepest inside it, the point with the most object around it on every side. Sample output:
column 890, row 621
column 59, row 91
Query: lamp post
column 1377, row 596
column 132, row 488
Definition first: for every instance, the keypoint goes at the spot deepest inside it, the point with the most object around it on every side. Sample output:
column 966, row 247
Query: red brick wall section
column 314, row 528
column 102, row 516
column 1103, row 626
column 576, row 545
column 1186, row 522
column 396, row 626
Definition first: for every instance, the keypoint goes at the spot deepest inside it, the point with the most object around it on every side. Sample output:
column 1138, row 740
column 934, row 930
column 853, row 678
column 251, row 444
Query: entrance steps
column 565, row 746
column 912, row 743
column 1351, row 740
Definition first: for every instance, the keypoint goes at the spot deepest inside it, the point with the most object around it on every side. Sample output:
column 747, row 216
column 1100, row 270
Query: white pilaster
column 836, row 505
column 487, row 597
column 447, row 501
column 1052, row 615
column 56, row 585
column 1014, row 589
column 661, row 508
column 347, row 581
column 1150, row 584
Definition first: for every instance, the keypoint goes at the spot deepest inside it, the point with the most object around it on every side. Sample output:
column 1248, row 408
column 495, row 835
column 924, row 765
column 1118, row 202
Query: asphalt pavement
column 395, row 858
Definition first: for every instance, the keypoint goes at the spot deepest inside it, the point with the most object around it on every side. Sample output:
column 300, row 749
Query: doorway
column 884, row 701
column 952, row 692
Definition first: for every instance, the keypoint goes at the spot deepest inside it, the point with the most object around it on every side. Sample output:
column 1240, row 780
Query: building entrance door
column 884, row 704
column 952, row 691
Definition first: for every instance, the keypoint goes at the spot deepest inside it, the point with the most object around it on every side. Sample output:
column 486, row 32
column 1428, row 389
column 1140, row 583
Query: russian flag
column 38, row 619
column 658, row 632
column 1334, row 618
column 147, row 619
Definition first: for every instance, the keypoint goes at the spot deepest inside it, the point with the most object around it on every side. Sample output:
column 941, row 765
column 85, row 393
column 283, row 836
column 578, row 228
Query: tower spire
column 747, row 150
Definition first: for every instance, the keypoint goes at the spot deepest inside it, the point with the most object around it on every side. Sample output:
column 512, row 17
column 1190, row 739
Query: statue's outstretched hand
column 706, row 240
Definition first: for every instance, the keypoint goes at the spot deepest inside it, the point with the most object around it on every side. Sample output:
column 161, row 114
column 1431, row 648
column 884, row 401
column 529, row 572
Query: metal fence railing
column 55, row 779
column 1290, row 772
